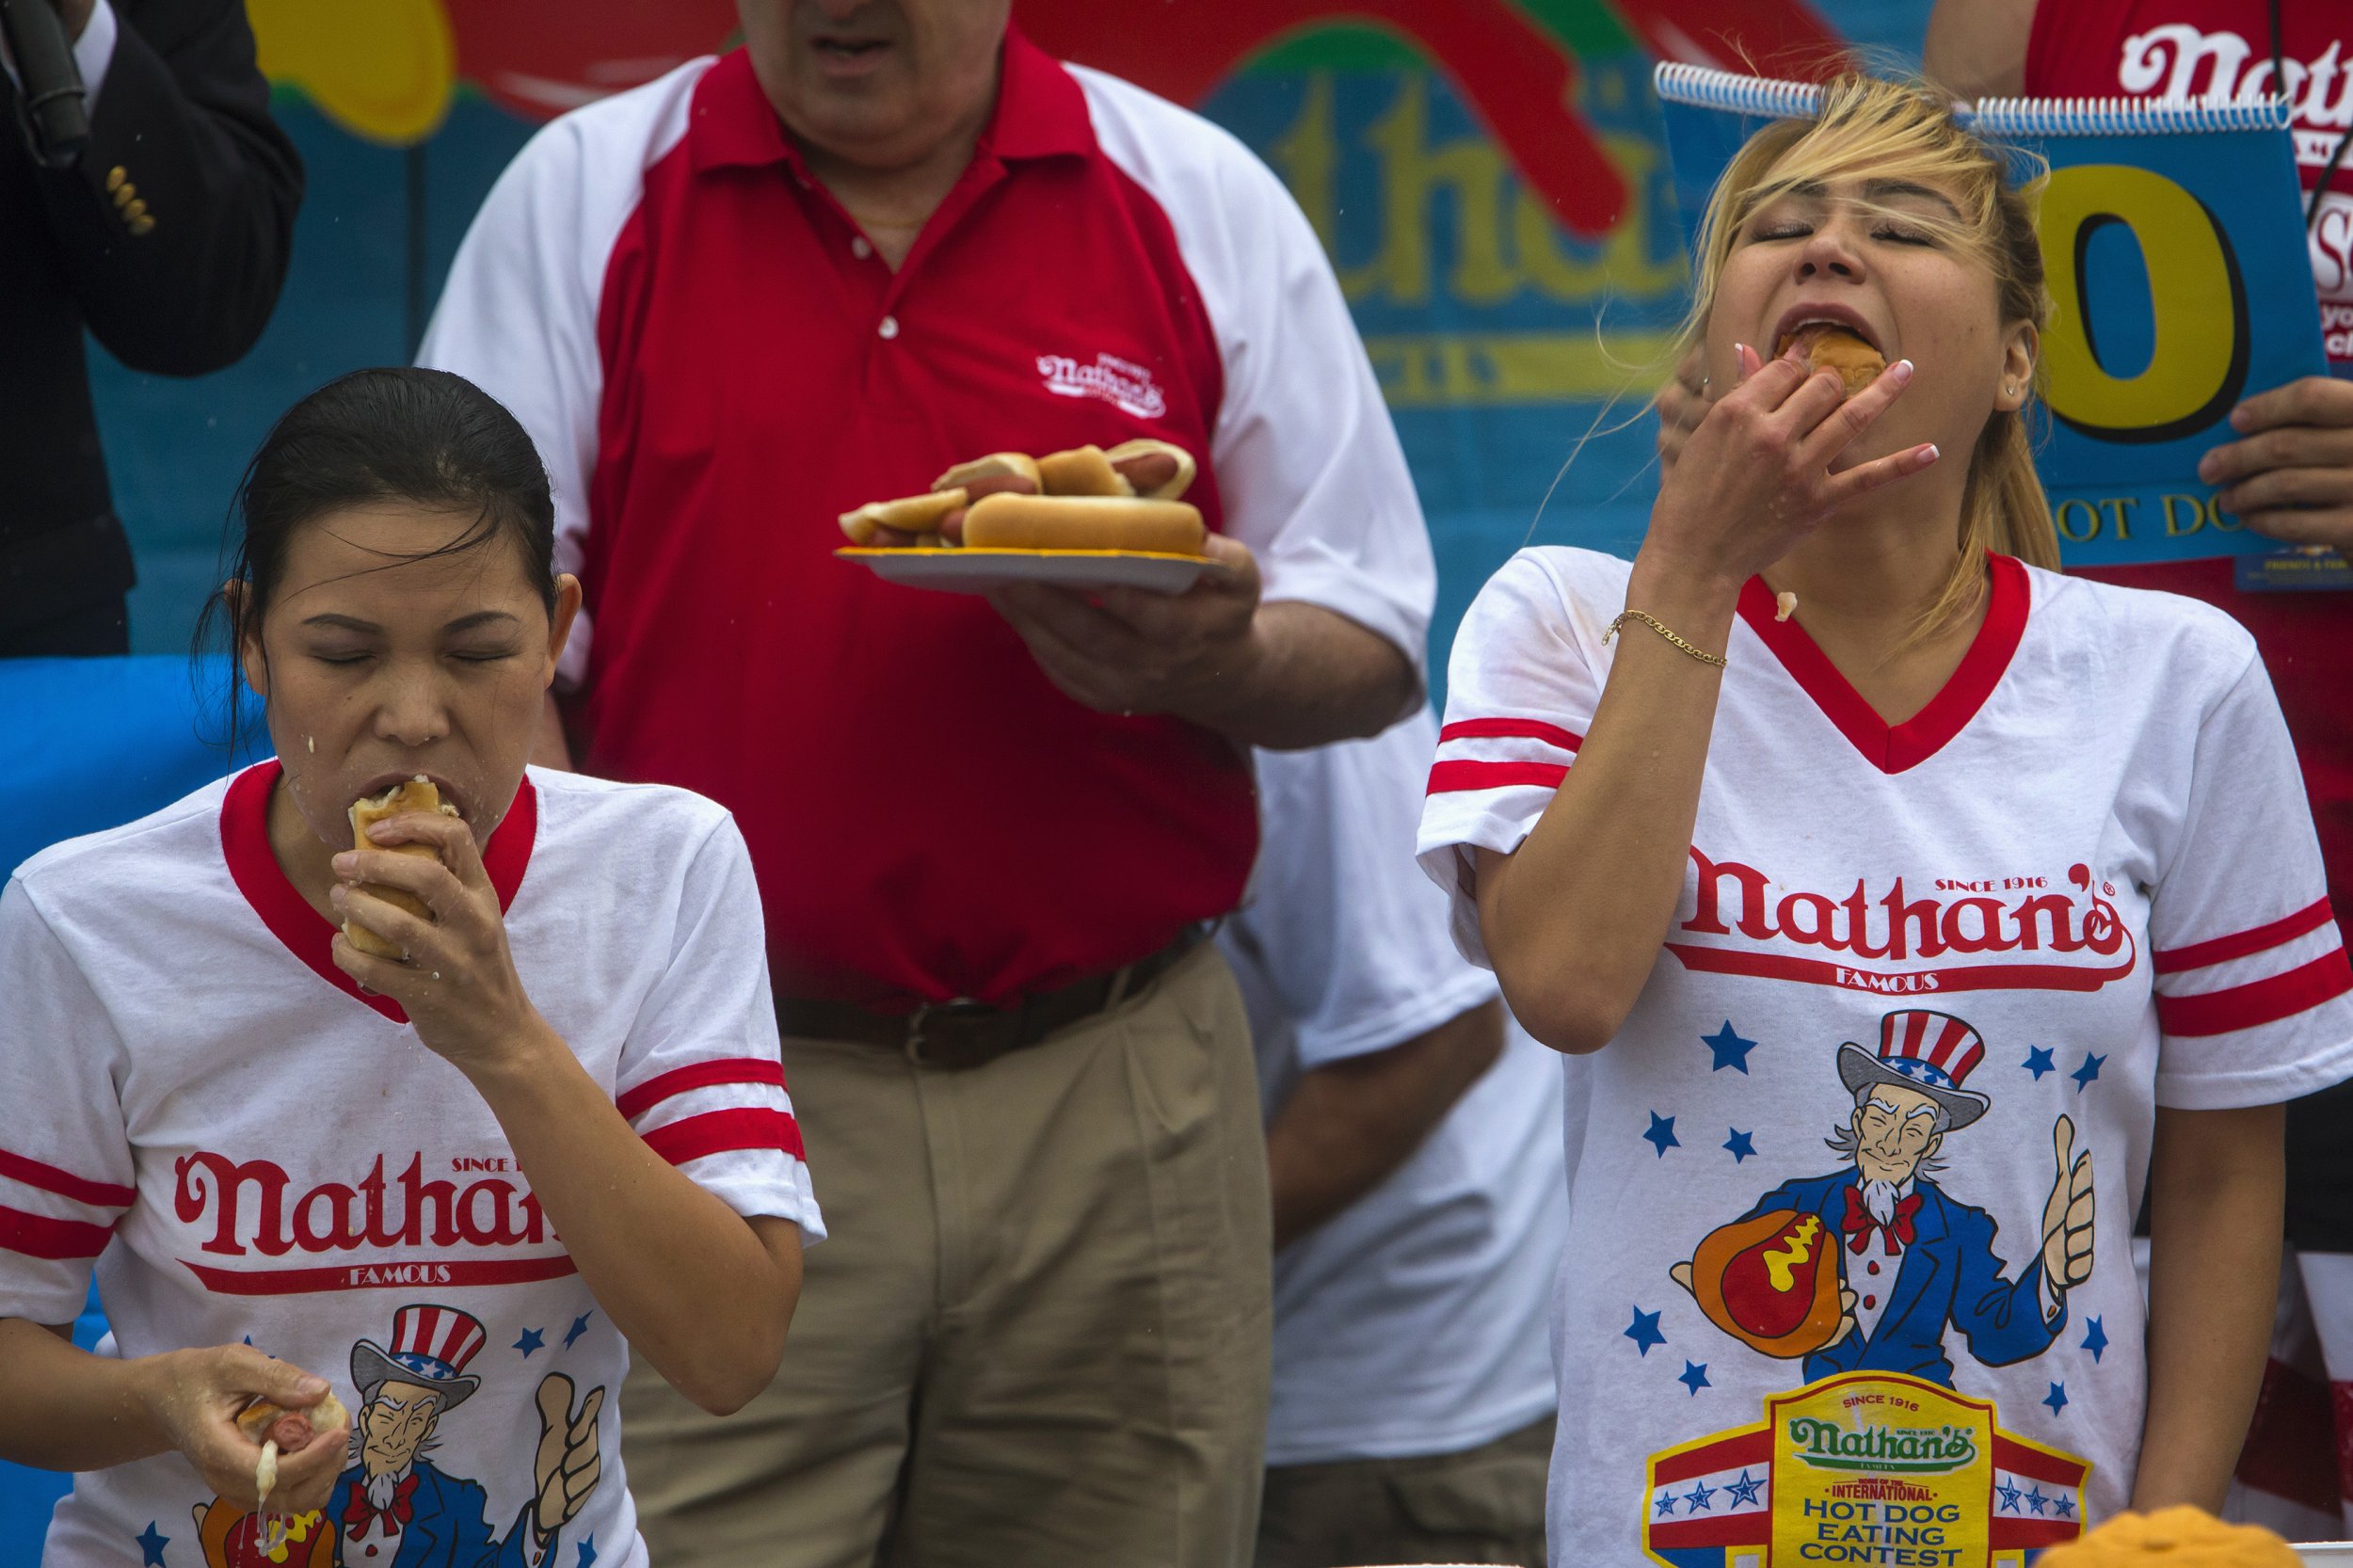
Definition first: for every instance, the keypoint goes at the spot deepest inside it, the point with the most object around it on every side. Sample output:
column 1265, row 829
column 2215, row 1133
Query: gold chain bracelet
column 1656, row 625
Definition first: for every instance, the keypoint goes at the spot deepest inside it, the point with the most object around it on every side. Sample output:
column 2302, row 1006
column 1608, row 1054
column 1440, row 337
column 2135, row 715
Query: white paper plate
column 973, row 571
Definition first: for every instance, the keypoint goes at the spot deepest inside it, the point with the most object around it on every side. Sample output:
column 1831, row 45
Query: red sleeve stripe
column 2223, row 949
column 32, row 1172
column 2260, row 1002
column 1510, row 729
column 1451, row 777
column 719, row 1131
column 699, row 1075
column 39, row 1236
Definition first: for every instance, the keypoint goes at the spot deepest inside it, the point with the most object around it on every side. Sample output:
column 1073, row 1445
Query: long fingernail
column 1900, row 371
column 1738, row 349
column 1928, row 455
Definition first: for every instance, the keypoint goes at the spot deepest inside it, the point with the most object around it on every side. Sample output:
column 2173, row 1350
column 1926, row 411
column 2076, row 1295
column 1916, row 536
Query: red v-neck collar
column 1894, row 748
column 245, row 842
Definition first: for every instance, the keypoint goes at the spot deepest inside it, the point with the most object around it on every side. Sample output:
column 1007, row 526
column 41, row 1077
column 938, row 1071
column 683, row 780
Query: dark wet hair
column 424, row 438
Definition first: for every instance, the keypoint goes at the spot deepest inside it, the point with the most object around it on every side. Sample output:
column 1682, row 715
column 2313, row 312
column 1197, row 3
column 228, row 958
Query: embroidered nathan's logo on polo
column 2012, row 932
column 1122, row 383
column 252, row 1206
column 1827, row 1446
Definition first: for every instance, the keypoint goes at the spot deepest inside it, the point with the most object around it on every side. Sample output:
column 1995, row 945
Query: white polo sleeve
column 2254, row 994
column 1308, row 466
column 66, row 1170
column 518, row 316
column 1349, row 936
column 701, row 1077
column 1521, row 690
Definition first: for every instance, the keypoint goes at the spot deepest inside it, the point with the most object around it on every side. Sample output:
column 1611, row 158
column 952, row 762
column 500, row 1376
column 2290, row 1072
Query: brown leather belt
column 962, row 1034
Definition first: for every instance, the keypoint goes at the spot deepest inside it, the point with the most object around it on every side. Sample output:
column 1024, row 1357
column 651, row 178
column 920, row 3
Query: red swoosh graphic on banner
column 1517, row 77
column 1958, row 976
column 394, row 1277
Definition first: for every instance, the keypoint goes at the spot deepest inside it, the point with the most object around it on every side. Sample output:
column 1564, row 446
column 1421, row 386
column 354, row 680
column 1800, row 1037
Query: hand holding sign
column 2292, row 476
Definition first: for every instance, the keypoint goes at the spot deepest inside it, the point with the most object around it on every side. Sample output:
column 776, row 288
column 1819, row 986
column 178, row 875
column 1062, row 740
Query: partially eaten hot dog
column 280, row 1430
column 1086, row 498
column 414, row 794
column 1835, row 348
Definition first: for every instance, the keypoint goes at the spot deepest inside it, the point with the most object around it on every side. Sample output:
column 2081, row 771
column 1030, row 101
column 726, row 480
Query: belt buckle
column 943, row 1023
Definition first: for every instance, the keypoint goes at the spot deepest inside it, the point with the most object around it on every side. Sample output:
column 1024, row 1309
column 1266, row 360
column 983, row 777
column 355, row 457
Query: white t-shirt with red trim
column 1413, row 1321
column 1910, row 963
column 246, row 1148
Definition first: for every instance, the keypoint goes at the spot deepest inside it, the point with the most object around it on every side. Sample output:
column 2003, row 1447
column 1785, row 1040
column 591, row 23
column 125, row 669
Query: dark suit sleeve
column 183, row 284
column 2002, row 1320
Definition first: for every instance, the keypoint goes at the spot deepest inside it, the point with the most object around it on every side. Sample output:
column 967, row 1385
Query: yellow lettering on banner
column 2114, row 511
column 1421, row 370
column 2192, row 507
column 2090, row 521
column 2198, row 300
column 1503, row 240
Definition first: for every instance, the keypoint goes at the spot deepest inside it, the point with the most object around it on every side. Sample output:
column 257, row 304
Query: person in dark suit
column 168, row 240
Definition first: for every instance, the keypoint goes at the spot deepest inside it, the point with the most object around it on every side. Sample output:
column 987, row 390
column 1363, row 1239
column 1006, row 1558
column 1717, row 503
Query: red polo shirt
column 715, row 362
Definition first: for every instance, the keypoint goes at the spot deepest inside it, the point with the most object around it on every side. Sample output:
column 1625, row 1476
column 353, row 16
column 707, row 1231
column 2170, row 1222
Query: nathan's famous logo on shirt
column 2064, row 933
column 1867, row 1468
column 244, row 1209
column 1122, row 383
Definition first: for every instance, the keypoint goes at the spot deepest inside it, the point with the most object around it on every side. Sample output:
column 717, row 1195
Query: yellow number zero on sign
column 2198, row 297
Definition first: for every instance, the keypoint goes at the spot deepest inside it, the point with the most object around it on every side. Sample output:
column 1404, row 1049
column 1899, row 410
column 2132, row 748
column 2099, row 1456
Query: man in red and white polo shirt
column 878, row 240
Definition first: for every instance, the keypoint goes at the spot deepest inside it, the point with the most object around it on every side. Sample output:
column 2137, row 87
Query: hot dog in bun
column 414, row 795
column 1084, row 523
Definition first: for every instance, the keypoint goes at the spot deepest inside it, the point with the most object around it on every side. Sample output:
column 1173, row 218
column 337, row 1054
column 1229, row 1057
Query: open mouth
column 451, row 795
column 845, row 51
column 1804, row 326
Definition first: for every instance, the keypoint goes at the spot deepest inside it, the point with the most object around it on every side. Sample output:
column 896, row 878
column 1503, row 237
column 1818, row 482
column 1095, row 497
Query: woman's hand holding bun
column 458, row 986
column 1756, row 474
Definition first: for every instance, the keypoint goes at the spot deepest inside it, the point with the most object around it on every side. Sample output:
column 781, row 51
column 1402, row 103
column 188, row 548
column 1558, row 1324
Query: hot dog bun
column 1835, row 348
column 1019, row 465
column 1084, row 523
column 1082, row 470
column 291, row 1429
column 914, row 514
column 1126, row 453
column 414, row 795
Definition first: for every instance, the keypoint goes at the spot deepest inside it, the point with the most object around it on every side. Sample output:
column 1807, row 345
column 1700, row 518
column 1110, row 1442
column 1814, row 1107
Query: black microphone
column 56, row 121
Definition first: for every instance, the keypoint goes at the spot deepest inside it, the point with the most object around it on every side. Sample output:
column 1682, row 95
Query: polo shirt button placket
column 889, row 329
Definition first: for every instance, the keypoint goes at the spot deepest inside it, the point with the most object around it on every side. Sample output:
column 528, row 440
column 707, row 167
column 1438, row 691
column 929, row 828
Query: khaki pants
column 1483, row 1505
column 1037, row 1334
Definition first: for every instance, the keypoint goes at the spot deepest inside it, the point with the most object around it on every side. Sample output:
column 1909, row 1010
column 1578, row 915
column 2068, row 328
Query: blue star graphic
column 1698, row 1497
column 1744, row 1492
column 151, row 1547
column 588, row 1554
column 2057, row 1398
column 533, row 1339
column 1644, row 1330
column 2038, row 1061
column 1662, row 1134
column 2010, row 1495
column 1695, row 1377
column 2095, row 1338
column 2085, row 1074
column 1731, row 1050
column 1666, row 1505
column 1739, row 1145
column 2066, row 1509
column 2036, row 1500
column 580, row 1326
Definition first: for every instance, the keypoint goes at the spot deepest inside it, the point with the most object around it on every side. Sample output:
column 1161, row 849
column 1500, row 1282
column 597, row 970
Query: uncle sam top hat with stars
column 431, row 1346
column 1929, row 1051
